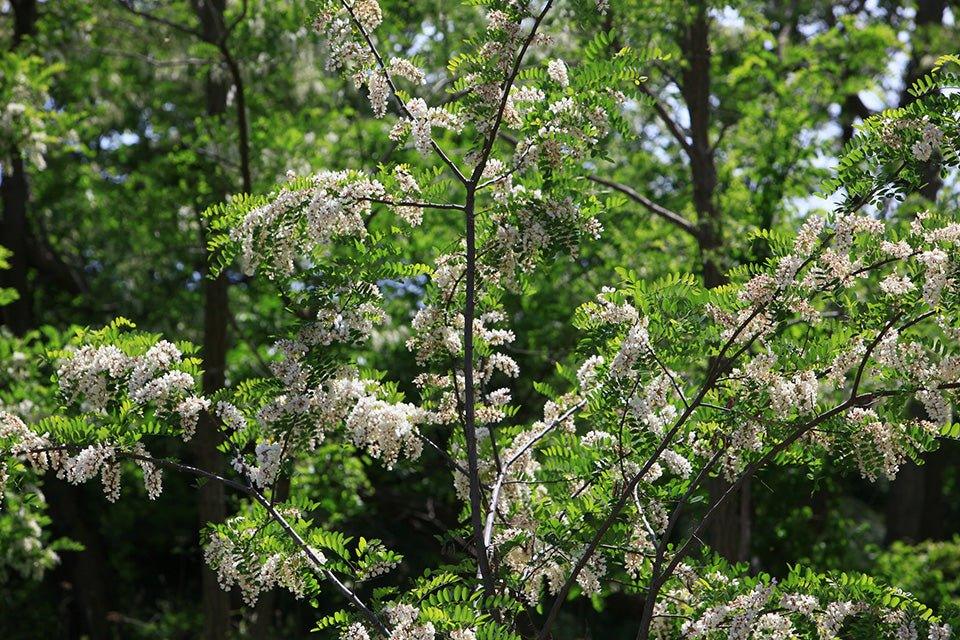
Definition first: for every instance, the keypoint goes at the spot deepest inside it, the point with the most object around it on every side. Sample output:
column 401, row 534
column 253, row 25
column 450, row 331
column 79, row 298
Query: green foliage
column 929, row 571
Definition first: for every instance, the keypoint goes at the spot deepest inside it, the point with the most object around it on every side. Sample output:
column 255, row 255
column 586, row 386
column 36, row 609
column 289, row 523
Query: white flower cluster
column 832, row 617
column 408, row 188
column 352, row 324
column 879, row 447
column 894, row 285
column 236, row 563
column 605, row 311
column 797, row 394
column 529, row 226
column 88, row 372
column 652, row 406
column 936, row 405
column 263, row 472
column 367, row 13
column 331, row 205
column 190, row 409
column 557, row 71
column 35, row 449
column 939, row 632
column 589, row 578
column 569, row 127
column 930, row 137
column 355, row 631
column 522, row 101
column 800, row 603
column 588, row 374
column 745, row 438
column 634, row 347
column 383, row 429
column 421, row 120
column 96, row 375
column 338, row 24
column 403, row 622
column 28, row 552
column 231, row 416
column 87, row 463
column 845, row 361
column 755, row 615
column 439, row 333
column 42, row 455
column 739, row 614
column 23, row 121
column 530, row 558
column 378, row 90
column 936, row 263
column 152, row 475
column 676, row 463
column 378, row 82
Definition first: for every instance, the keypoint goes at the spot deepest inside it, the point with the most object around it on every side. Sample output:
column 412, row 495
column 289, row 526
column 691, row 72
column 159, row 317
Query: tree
column 800, row 358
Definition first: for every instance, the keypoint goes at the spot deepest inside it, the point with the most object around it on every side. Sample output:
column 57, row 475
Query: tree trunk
column 84, row 568
column 729, row 534
column 14, row 190
column 211, row 507
column 916, row 495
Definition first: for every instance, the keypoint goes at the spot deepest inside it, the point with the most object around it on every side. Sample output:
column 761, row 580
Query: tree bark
column 15, row 191
column 729, row 535
column 916, row 495
column 85, row 568
column 211, row 506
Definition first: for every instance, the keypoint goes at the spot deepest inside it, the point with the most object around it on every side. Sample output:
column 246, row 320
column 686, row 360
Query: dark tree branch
column 668, row 120
column 666, row 214
column 146, row 15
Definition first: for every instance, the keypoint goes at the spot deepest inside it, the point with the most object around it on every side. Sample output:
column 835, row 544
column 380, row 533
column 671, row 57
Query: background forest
column 121, row 121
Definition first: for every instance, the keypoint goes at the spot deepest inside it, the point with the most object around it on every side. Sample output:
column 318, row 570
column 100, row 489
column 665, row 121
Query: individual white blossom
column 930, row 138
column 588, row 372
column 894, row 285
column 939, row 632
column 355, row 631
column 231, row 416
column 557, row 71
column 189, row 410
column 368, row 13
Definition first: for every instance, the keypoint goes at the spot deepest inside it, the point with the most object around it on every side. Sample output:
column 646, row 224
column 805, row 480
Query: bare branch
column 671, row 124
column 418, row 205
column 129, row 6
column 670, row 216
